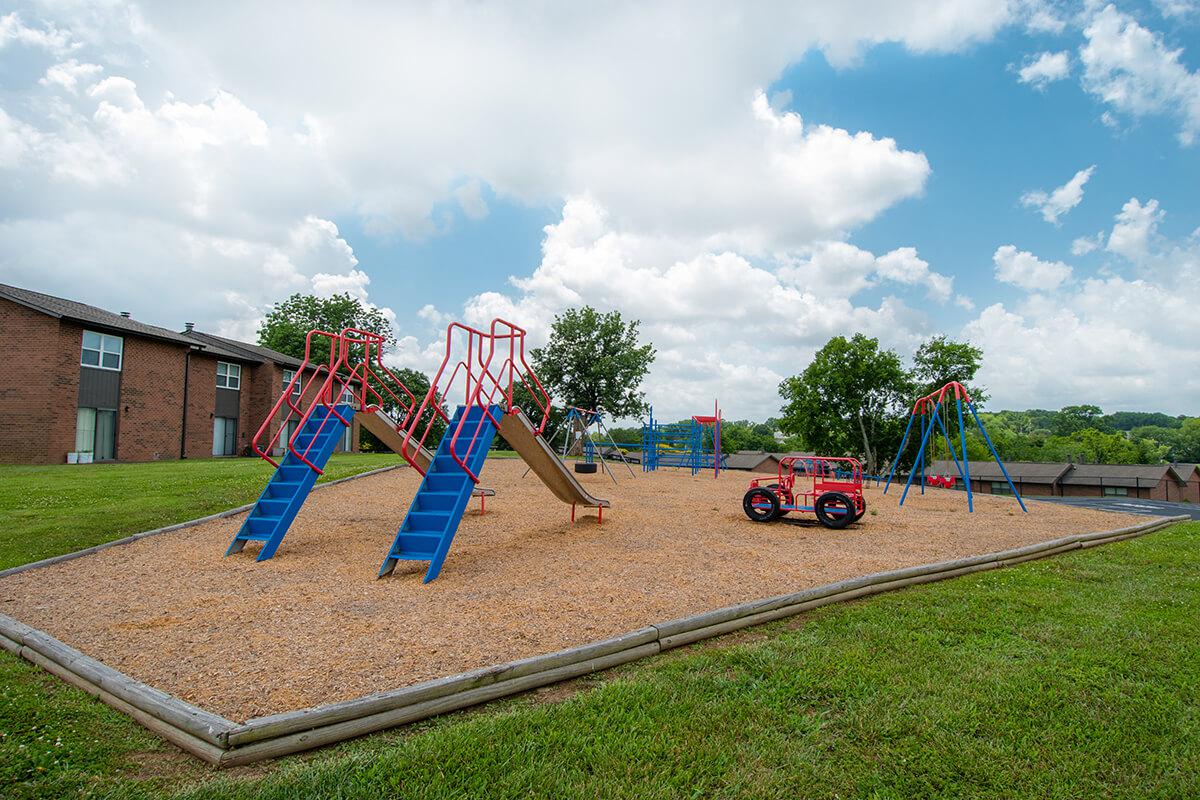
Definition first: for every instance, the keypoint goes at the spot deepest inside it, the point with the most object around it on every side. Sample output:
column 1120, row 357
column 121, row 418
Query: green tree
column 1072, row 419
column 852, row 399
column 1128, row 420
column 593, row 360
column 288, row 323
column 747, row 435
column 1187, row 445
column 941, row 360
column 1101, row 447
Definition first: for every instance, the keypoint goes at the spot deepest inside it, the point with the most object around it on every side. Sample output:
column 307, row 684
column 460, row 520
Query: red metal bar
column 285, row 399
column 346, row 376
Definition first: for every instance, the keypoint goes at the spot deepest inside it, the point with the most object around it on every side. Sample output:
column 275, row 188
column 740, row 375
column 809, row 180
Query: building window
column 1000, row 487
column 101, row 351
column 297, row 389
column 225, row 436
column 96, row 433
column 1116, row 491
column 229, row 376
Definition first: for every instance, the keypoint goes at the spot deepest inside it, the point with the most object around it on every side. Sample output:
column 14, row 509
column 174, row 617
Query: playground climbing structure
column 490, row 368
column 693, row 444
column 303, row 432
column 929, row 410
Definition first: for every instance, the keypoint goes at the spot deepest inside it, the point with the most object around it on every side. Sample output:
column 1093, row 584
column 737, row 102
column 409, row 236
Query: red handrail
column 357, row 373
column 285, row 397
column 433, row 398
column 514, row 335
column 483, row 384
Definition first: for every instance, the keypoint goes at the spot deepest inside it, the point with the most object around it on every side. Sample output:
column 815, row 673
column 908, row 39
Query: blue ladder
column 437, row 509
column 279, row 503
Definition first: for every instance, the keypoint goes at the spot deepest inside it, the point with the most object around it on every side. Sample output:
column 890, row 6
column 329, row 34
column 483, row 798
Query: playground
column 314, row 625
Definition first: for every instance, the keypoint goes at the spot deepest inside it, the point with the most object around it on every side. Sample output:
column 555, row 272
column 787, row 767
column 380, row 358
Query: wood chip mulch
column 313, row 625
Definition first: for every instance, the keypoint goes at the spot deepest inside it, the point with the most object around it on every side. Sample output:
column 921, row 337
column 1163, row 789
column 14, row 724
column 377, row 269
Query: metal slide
column 387, row 431
column 519, row 432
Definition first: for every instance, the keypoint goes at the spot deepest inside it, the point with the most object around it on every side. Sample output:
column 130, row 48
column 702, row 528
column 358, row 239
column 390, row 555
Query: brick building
column 106, row 387
column 1171, row 482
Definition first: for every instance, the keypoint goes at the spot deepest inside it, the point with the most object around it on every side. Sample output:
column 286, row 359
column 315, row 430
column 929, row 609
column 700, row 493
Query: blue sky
column 746, row 181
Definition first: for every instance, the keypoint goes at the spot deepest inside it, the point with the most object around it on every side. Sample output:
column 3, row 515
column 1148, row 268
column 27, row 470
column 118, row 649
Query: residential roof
column 1069, row 474
column 752, row 460
column 1121, row 474
column 92, row 316
column 1025, row 471
column 242, row 350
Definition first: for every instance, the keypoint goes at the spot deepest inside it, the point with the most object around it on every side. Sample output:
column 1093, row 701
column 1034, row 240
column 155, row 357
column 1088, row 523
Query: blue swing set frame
column 928, row 408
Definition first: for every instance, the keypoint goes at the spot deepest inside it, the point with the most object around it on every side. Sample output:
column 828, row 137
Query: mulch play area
column 314, row 625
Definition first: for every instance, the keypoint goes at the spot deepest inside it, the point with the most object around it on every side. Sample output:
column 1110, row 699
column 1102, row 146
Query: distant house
column 758, row 460
column 107, row 387
column 1170, row 482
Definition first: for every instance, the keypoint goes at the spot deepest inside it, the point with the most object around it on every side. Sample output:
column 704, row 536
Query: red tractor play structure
column 835, row 496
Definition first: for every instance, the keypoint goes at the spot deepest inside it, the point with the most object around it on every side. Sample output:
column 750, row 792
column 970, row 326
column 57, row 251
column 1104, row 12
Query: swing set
column 578, row 440
column 930, row 411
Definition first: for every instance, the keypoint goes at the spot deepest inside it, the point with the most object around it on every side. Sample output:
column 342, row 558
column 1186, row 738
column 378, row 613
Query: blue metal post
column 899, row 453
column 995, row 455
column 962, row 433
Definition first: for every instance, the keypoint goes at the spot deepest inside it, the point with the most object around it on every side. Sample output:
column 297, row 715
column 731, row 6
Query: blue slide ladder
column 437, row 509
column 288, row 488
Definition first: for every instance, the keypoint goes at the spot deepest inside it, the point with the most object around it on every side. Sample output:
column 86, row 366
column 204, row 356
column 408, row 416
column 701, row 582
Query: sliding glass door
column 224, row 436
column 96, row 433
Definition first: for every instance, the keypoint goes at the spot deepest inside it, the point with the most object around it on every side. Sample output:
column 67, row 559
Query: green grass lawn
column 57, row 509
column 1075, row 676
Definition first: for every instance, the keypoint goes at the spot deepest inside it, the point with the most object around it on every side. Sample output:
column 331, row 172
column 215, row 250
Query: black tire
column 859, row 515
column 761, row 495
column 829, row 505
column 583, row 468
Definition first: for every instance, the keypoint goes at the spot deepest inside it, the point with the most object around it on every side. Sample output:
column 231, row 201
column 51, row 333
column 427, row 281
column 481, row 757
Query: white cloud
column 1083, row 245
column 470, row 199
column 712, row 314
column 1135, row 225
column 48, row 37
column 1135, row 72
column 222, row 283
column 1061, row 200
column 70, row 74
column 1115, row 340
column 204, row 171
column 218, row 135
column 1024, row 269
column 1177, row 9
column 1045, row 69
column 16, row 140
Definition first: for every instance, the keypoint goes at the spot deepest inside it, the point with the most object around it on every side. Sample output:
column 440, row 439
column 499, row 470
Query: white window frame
column 1000, row 487
column 298, row 389
column 1115, row 491
column 107, row 345
column 232, row 376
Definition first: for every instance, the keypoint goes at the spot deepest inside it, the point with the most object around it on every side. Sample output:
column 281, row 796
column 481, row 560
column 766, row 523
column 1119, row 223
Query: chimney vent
column 126, row 314
column 187, row 326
